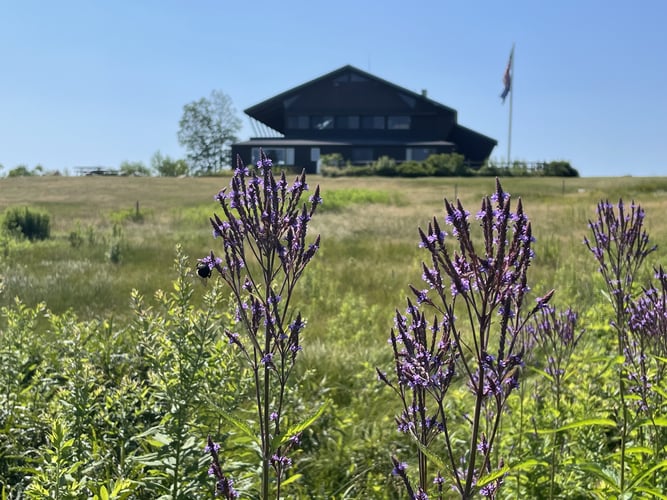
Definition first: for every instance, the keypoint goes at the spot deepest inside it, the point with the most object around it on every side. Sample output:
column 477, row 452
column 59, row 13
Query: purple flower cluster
column 620, row 245
column 265, row 249
column 646, row 348
column 557, row 335
column 488, row 284
column 223, row 485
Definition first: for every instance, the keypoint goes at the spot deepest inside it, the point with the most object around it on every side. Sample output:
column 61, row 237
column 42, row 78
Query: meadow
column 102, row 397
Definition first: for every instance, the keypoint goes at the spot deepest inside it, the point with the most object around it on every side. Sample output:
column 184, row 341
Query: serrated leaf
column 300, row 427
column 529, row 465
column 589, row 422
column 637, row 480
column 600, row 474
column 493, row 476
column 240, row 425
column 291, row 479
column 638, row 450
column 657, row 422
column 435, row 459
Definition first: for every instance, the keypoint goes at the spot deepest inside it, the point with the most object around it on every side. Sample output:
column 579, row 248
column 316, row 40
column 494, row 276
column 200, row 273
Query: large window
column 347, row 122
column 298, row 122
column 322, row 122
column 398, row 122
column 279, row 156
column 362, row 155
column 418, row 154
column 372, row 122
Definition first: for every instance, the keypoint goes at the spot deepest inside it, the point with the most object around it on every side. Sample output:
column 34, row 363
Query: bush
column 27, row 222
column 134, row 168
column 414, row 169
column 359, row 170
column 446, row 164
column 332, row 160
column 385, row 166
column 24, row 171
column 560, row 169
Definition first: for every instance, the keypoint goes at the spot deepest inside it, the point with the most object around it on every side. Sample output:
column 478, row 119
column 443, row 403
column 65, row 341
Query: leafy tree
column 134, row 168
column 560, row 169
column 167, row 166
column 22, row 171
column 207, row 129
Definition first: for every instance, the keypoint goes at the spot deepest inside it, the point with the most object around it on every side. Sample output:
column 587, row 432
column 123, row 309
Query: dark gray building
column 362, row 117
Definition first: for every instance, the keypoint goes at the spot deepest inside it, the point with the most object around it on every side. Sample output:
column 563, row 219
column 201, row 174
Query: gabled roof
column 271, row 111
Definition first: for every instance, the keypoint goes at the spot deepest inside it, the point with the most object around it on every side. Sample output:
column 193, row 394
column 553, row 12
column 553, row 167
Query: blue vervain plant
column 620, row 245
column 556, row 337
column 487, row 286
column 265, row 251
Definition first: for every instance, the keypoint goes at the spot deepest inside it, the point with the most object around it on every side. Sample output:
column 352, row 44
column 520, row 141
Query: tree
column 22, row 171
column 168, row 167
column 134, row 168
column 207, row 129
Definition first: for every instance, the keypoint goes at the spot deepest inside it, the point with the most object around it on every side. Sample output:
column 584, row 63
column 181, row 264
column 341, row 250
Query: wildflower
column 263, row 229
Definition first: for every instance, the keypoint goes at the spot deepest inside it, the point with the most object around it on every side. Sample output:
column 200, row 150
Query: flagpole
column 509, row 133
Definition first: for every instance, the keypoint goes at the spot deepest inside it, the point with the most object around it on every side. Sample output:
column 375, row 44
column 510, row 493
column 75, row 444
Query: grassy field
column 368, row 255
column 368, row 228
column 111, row 235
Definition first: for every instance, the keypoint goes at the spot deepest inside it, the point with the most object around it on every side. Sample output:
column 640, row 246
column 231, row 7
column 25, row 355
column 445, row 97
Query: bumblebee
column 203, row 270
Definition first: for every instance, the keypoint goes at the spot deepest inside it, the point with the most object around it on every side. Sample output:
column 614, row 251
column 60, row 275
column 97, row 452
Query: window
column 372, row 122
column 398, row 122
column 347, row 122
column 418, row 154
column 322, row 122
column 298, row 122
column 279, row 156
column 362, row 155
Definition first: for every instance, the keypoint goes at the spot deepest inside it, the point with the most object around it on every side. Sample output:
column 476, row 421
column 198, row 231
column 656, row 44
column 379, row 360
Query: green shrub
column 27, row 222
column 446, row 165
column 332, row 160
column 385, row 166
column 358, row 170
column 560, row 169
column 413, row 169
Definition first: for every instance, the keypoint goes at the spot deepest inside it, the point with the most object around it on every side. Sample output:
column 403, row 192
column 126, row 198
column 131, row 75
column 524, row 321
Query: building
column 360, row 116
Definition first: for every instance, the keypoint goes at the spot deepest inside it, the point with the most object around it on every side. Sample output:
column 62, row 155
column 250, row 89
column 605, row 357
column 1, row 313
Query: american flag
column 507, row 77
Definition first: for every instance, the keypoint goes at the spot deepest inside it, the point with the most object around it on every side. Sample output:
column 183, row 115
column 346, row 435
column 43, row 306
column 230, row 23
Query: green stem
column 467, row 493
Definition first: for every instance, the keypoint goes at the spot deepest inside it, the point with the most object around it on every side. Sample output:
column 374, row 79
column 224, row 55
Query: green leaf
column 542, row 373
column 589, row 422
column 104, row 494
column 435, row 459
column 650, row 491
column 529, row 464
column 638, row 480
column 493, row 476
column 657, row 422
column 638, row 450
column 300, row 427
column 240, row 425
column 291, row 479
column 600, row 474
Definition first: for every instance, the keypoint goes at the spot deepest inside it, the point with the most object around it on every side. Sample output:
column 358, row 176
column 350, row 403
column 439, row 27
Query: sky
column 96, row 82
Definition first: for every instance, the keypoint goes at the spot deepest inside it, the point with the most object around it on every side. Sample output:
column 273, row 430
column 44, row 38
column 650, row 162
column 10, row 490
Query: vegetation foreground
column 119, row 359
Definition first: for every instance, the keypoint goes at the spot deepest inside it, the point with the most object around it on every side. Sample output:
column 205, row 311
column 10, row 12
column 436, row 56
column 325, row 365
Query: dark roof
column 283, row 142
column 271, row 111
column 473, row 145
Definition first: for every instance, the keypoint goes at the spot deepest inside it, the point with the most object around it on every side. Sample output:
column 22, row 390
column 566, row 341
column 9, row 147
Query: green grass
column 368, row 228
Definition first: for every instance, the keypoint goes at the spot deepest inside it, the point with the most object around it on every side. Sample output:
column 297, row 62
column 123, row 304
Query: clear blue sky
column 91, row 82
